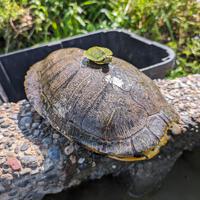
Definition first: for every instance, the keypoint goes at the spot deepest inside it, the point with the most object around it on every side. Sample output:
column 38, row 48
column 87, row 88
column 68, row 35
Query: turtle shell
column 115, row 110
column 97, row 54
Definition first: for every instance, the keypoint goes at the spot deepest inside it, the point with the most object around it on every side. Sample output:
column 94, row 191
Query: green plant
column 188, row 61
column 173, row 22
column 12, row 12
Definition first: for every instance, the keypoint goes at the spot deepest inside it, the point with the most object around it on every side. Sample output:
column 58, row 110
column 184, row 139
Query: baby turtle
column 120, row 113
column 99, row 55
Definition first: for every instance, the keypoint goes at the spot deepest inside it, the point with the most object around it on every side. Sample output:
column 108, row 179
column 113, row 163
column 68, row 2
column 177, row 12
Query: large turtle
column 113, row 109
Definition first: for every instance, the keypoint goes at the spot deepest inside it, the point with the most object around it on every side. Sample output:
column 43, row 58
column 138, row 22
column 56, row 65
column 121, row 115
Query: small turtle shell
column 119, row 112
column 97, row 54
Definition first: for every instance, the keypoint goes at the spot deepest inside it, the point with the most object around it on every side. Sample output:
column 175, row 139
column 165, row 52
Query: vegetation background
column 176, row 23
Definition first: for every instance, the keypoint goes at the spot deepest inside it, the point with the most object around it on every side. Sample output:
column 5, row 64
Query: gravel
column 36, row 160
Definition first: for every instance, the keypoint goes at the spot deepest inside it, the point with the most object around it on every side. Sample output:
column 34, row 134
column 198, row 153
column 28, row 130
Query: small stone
column 6, row 169
column 26, row 121
column 24, row 147
column 16, row 150
column 16, row 174
column 114, row 166
column 4, row 125
column 5, row 133
column 35, row 125
column 56, row 136
column 72, row 159
column 2, row 160
column 1, row 172
column 13, row 193
column 7, row 176
column 54, row 153
column 47, row 141
column 10, row 143
column 1, row 121
column 1, row 136
column 176, row 129
column 69, row 149
column 35, row 171
column 93, row 164
column 28, row 152
column 41, row 183
column 12, row 128
column 14, row 163
column 81, row 160
column 36, row 133
column 13, row 116
column 25, row 171
column 30, row 161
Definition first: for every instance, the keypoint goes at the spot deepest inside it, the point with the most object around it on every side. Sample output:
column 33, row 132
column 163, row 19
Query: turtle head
column 107, row 60
column 99, row 55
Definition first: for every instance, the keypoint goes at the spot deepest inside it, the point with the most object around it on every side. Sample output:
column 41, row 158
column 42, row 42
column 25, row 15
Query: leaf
column 80, row 20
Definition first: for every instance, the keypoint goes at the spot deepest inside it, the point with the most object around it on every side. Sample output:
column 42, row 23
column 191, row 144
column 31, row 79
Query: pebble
column 13, row 116
column 93, row 164
column 25, row 171
column 69, row 149
column 54, row 153
column 26, row 122
column 35, row 171
column 47, row 141
column 1, row 121
column 114, row 166
column 13, row 193
column 6, row 133
column 56, row 136
column 176, row 129
column 4, row 125
column 14, row 163
column 24, row 147
column 36, row 133
column 81, row 160
column 28, row 152
column 16, row 174
column 1, row 136
column 2, row 160
column 16, row 150
column 35, row 125
column 29, row 161
column 12, row 128
column 7, row 176
column 72, row 159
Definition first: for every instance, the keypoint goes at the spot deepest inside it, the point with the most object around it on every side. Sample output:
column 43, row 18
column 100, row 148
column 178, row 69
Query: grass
column 173, row 22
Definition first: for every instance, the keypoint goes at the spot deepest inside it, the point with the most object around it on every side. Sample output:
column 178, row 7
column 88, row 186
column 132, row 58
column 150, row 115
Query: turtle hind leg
column 152, row 152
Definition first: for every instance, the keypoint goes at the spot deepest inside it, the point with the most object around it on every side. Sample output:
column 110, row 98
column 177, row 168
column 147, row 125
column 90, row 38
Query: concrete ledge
column 36, row 160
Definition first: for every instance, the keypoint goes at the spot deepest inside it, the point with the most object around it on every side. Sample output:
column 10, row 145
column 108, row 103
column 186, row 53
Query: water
column 183, row 183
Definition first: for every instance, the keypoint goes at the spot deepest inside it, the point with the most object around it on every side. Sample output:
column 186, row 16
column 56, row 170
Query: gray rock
column 29, row 161
column 25, row 171
column 36, row 133
column 26, row 122
column 24, row 147
column 35, row 125
column 4, row 125
column 1, row 121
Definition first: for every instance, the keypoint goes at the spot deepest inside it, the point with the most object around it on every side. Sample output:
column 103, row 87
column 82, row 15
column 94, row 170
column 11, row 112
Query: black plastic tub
column 150, row 57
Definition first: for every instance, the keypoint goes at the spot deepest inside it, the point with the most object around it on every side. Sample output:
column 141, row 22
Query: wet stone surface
column 36, row 160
